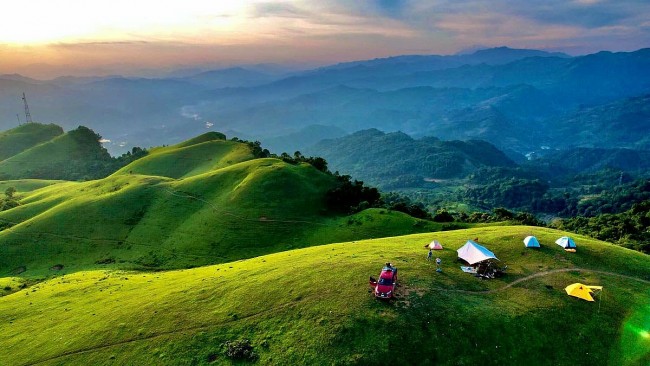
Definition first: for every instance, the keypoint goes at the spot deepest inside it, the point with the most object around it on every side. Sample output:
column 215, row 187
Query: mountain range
column 517, row 100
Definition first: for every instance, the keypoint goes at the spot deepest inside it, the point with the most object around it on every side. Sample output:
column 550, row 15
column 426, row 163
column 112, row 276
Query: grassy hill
column 312, row 306
column 23, row 137
column 200, row 202
column 74, row 155
column 195, row 156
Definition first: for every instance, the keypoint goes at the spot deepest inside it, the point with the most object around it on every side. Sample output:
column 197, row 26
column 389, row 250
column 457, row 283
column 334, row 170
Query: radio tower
column 28, row 116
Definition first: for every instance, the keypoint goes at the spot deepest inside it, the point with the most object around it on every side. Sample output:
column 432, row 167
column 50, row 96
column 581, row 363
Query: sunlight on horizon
column 40, row 22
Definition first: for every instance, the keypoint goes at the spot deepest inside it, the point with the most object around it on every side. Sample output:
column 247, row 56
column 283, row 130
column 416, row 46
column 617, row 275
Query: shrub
column 240, row 350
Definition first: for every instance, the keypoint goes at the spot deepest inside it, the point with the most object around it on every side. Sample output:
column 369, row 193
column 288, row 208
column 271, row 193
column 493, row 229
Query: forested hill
column 394, row 160
column 623, row 123
column 38, row 151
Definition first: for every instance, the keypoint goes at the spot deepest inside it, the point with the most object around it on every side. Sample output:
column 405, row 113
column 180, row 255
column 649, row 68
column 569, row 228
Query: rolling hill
column 21, row 138
column 313, row 306
column 198, row 155
column 199, row 202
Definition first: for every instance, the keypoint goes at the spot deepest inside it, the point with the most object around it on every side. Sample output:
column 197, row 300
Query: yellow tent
column 582, row 291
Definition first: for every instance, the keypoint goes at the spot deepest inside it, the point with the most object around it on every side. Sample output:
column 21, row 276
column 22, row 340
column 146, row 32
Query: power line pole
column 18, row 118
column 28, row 116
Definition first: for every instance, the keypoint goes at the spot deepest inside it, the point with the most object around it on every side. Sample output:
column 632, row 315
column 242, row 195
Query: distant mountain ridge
column 497, row 92
column 395, row 160
column 491, row 56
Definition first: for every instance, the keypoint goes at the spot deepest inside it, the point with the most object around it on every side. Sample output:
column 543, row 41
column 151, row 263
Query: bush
column 443, row 215
column 240, row 350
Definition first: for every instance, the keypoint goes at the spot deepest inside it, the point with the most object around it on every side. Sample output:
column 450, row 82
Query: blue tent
column 473, row 252
column 531, row 242
column 566, row 242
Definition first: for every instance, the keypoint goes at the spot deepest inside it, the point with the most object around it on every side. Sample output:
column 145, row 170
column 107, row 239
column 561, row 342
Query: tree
column 9, row 193
column 443, row 215
column 9, row 201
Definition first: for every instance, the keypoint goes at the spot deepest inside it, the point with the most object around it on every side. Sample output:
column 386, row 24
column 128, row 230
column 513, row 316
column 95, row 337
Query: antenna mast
column 28, row 116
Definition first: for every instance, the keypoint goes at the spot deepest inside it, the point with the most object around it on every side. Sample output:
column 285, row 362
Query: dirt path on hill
column 198, row 327
column 545, row 273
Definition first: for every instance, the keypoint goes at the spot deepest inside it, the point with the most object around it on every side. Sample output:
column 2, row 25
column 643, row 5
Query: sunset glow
column 94, row 36
column 43, row 21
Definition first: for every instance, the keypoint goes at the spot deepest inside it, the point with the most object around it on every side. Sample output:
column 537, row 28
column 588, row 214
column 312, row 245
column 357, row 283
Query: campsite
column 189, row 313
column 324, row 183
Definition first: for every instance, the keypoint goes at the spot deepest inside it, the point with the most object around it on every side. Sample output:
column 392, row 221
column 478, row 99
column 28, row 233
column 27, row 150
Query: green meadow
column 173, row 257
column 313, row 306
column 200, row 202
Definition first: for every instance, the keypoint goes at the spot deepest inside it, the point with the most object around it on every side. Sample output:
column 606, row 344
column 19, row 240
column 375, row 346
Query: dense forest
column 628, row 228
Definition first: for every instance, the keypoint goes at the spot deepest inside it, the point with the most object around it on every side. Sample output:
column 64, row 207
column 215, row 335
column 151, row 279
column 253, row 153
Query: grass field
column 312, row 306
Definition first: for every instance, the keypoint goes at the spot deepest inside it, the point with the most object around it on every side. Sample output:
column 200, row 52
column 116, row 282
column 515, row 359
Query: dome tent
column 566, row 242
column 531, row 242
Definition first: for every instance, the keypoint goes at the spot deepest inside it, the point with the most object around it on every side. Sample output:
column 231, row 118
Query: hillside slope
column 395, row 160
column 70, row 156
column 312, row 306
column 199, row 155
column 582, row 160
column 622, row 123
column 201, row 202
column 23, row 137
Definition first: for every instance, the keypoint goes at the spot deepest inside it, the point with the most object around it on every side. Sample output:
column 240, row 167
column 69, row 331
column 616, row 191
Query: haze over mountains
column 519, row 100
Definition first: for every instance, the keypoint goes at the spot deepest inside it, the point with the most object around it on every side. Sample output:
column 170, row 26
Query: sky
column 48, row 38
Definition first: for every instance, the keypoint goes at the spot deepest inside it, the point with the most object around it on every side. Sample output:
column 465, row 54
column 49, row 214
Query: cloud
column 498, row 29
column 275, row 9
column 319, row 32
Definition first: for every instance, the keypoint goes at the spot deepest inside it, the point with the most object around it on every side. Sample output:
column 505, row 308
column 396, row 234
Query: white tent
column 566, row 242
column 531, row 242
column 435, row 245
column 472, row 253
